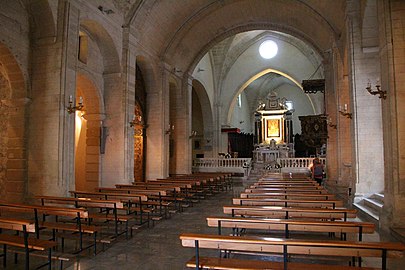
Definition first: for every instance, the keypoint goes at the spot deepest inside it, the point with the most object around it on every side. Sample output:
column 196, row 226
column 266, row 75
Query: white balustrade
column 297, row 164
column 233, row 165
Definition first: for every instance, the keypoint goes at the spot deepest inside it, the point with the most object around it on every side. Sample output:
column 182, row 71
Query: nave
column 159, row 247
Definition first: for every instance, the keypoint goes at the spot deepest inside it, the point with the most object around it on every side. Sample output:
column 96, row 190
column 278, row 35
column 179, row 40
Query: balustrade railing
column 298, row 162
column 235, row 165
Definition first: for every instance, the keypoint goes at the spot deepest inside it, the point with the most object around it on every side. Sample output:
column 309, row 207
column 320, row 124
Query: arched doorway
column 13, row 152
column 139, row 127
column 88, row 130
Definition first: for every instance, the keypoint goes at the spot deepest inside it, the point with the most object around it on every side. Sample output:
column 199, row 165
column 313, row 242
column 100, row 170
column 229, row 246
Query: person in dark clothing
column 317, row 171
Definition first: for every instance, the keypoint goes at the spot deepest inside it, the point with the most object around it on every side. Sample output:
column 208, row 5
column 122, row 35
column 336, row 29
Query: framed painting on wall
column 273, row 128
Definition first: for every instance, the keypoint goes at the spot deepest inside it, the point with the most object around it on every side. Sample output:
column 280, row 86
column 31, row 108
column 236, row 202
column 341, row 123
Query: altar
column 273, row 130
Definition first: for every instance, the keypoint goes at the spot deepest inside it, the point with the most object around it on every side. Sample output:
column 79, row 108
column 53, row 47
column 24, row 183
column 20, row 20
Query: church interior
column 101, row 94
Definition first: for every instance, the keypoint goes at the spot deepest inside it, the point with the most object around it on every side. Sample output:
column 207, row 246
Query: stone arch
column 88, row 133
column 13, row 129
column 250, row 80
column 207, row 117
column 139, row 126
column 105, row 43
column 250, row 27
column 149, row 74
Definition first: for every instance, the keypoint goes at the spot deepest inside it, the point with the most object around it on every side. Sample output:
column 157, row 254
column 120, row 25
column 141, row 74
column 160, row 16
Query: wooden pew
column 286, row 190
column 155, row 197
column 34, row 212
column 173, row 194
column 288, row 247
column 288, row 202
column 286, row 195
column 103, row 207
column 134, row 202
column 291, row 225
column 289, row 212
column 193, row 186
column 287, row 186
column 25, row 242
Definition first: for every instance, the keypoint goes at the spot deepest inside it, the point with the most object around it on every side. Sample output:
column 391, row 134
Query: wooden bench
column 286, row 190
column 288, row 202
column 241, row 264
column 287, row 247
column 173, row 194
column 28, row 244
column 290, row 212
column 290, row 182
column 288, row 186
column 77, row 214
column 155, row 196
column 285, row 195
column 134, row 202
column 291, row 225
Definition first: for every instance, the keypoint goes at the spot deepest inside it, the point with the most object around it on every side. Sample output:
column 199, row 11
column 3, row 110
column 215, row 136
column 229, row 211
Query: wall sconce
column 193, row 134
column 71, row 109
column 329, row 123
column 105, row 11
column 383, row 94
column 170, row 129
column 136, row 121
column 344, row 112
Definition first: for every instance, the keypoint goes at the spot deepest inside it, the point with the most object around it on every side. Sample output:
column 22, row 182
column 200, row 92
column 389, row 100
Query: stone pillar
column 116, row 124
column 129, row 78
column 367, row 122
column 391, row 18
column 332, row 62
column 183, row 122
column 51, row 140
column 157, row 150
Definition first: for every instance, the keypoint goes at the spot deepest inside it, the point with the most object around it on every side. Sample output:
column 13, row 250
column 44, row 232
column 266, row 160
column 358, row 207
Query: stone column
column 129, row 78
column 157, row 151
column 391, row 20
column 51, row 140
column 183, row 122
column 364, row 65
column 116, row 124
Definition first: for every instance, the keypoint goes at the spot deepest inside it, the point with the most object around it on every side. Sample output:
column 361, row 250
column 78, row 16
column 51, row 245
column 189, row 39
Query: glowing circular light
column 268, row 49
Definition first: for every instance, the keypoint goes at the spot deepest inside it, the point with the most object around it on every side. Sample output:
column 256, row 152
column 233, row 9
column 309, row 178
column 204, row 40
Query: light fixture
column 105, row 11
column 344, row 112
column 329, row 122
column 193, row 134
column 71, row 109
column 136, row 121
column 383, row 94
column 268, row 49
column 170, row 129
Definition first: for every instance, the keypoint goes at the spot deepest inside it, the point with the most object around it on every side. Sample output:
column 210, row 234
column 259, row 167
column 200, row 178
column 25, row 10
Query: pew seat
column 238, row 264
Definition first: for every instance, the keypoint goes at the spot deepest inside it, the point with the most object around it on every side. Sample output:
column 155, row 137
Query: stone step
column 378, row 197
column 366, row 212
column 374, row 204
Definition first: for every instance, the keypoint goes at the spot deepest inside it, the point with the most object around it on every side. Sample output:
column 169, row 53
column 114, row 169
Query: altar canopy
column 273, row 128
column 273, row 121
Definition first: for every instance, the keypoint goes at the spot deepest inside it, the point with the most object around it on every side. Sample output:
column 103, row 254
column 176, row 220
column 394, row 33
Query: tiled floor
column 159, row 248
